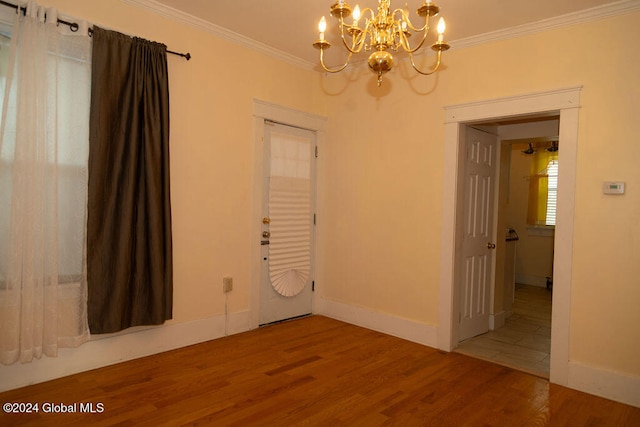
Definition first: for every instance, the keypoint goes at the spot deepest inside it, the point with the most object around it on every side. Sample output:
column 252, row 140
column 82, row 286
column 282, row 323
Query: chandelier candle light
column 382, row 32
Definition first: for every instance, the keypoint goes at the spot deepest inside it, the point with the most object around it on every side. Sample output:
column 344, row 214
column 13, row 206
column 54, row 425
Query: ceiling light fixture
column 386, row 30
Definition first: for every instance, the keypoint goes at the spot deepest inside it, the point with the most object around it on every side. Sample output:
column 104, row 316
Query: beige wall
column 380, row 188
column 212, row 168
column 211, row 148
column 384, row 178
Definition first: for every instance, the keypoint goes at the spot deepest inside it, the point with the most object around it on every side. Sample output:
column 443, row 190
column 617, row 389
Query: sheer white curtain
column 43, row 187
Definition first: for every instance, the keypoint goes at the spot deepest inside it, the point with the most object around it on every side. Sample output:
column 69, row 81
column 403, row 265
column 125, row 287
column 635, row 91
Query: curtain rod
column 73, row 26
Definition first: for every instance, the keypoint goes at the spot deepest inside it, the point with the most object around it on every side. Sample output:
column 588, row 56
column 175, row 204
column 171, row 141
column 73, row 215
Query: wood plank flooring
column 314, row 371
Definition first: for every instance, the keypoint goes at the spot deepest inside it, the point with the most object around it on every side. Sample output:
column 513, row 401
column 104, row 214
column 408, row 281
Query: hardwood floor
column 524, row 342
column 314, row 371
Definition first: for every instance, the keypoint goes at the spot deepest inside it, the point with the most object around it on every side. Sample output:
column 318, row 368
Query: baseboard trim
column 527, row 279
column 409, row 330
column 103, row 351
column 239, row 323
column 611, row 385
column 498, row 320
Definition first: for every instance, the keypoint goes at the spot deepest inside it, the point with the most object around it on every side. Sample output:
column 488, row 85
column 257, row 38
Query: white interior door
column 288, row 208
column 477, row 244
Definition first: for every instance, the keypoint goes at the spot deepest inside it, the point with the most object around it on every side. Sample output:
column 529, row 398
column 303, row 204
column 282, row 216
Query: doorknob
column 267, row 234
column 491, row 245
column 266, row 220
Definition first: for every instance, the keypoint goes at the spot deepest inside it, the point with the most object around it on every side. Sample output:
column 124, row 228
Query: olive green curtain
column 129, row 246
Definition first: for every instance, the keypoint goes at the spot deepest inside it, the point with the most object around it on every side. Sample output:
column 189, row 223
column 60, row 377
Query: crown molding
column 218, row 31
column 588, row 15
column 600, row 12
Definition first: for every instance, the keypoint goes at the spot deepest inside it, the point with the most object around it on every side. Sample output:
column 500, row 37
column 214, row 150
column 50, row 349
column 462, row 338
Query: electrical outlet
column 227, row 284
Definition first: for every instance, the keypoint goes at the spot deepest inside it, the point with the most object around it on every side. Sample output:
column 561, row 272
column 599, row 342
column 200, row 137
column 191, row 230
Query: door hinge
column 314, row 219
column 316, row 151
column 313, row 286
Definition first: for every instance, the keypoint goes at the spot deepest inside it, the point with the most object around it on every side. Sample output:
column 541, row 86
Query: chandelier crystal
column 382, row 32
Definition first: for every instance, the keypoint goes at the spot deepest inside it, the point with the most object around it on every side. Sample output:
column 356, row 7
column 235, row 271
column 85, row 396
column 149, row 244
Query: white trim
column 498, row 320
column 288, row 116
column 239, row 322
column 262, row 111
column 563, row 247
column 221, row 32
column 608, row 384
column 575, row 18
column 531, row 280
column 100, row 352
column 410, row 330
column 514, row 106
column 567, row 101
column 588, row 15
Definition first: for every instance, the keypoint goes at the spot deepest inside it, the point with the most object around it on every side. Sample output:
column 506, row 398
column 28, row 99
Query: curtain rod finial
column 186, row 56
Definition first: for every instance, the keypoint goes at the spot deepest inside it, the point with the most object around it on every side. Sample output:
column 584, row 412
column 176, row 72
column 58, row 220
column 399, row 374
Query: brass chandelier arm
column 371, row 13
column 333, row 70
column 405, row 42
column 357, row 39
column 358, row 35
column 406, row 19
column 433, row 70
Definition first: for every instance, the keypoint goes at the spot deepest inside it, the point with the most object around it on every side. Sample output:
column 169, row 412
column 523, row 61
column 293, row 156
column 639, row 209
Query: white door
column 288, row 208
column 477, row 244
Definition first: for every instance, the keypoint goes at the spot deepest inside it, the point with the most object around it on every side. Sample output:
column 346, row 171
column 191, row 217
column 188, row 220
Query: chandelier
column 382, row 32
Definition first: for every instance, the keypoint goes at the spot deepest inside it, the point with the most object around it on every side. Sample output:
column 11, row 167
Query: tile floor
column 524, row 341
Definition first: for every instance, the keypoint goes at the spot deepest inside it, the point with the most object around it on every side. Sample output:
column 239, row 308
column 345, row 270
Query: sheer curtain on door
column 43, row 188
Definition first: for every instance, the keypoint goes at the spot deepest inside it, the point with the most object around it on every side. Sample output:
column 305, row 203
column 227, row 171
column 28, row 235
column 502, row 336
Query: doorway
column 566, row 103
column 288, row 209
column 264, row 112
column 518, row 332
column 477, row 249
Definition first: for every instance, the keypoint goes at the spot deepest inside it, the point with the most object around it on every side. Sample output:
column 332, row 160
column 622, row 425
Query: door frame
column 271, row 301
column 566, row 102
column 262, row 111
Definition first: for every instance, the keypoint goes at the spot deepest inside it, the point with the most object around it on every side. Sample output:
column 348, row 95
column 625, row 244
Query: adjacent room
column 520, row 326
column 251, row 222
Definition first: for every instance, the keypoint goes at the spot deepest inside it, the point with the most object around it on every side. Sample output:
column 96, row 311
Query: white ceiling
column 291, row 25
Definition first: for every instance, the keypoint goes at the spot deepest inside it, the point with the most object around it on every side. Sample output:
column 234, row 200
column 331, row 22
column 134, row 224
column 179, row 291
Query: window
column 43, row 173
column 543, row 189
column 552, row 192
column 66, row 150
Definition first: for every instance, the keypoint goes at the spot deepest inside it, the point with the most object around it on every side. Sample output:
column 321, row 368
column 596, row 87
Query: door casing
column 273, row 306
column 566, row 103
column 272, row 112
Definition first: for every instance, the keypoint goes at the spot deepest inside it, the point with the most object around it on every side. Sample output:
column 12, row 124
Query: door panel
column 477, row 247
column 288, row 206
